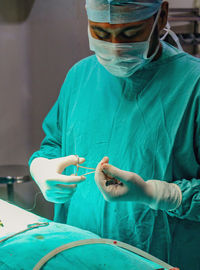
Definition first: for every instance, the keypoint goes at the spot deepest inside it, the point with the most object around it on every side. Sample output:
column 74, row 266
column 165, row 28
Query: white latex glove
column 118, row 185
column 56, row 187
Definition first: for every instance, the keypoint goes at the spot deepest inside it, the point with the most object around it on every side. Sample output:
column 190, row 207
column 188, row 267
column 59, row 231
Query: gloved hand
column 118, row 185
column 56, row 187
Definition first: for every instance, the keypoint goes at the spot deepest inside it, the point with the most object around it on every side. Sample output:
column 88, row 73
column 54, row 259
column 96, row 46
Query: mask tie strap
column 150, row 36
column 173, row 35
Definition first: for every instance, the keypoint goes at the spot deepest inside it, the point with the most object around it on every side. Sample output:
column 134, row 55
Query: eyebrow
column 106, row 30
column 98, row 28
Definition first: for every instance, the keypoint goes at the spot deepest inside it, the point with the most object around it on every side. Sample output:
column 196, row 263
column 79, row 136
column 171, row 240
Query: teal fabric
column 116, row 11
column 148, row 124
column 25, row 250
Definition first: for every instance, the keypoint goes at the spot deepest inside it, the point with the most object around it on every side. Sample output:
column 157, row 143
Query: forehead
column 121, row 25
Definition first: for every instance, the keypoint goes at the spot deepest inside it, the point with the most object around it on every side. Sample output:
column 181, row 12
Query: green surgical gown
column 148, row 124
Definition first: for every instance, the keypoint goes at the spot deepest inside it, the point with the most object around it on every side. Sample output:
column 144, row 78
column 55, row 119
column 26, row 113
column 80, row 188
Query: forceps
column 109, row 181
column 87, row 168
column 29, row 227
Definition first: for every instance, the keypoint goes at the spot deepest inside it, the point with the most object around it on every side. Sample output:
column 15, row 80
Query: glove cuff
column 165, row 196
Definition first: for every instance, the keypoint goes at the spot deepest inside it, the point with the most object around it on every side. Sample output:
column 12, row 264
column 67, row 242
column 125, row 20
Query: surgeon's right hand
column 55, row 186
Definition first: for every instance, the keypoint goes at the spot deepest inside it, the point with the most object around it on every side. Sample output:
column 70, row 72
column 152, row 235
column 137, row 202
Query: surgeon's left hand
column 116, row 184
column 119, row 185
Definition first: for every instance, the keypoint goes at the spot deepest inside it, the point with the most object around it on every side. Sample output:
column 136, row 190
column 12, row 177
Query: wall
column 14, row 95
column 58, row 40
column 35, row 57
column 182, row 3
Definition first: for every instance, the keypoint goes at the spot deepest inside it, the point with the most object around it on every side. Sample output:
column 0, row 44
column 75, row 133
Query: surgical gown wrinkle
column 148, row 124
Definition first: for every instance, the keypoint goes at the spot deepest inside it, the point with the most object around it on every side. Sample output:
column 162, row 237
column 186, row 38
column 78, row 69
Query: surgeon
column 132, row 111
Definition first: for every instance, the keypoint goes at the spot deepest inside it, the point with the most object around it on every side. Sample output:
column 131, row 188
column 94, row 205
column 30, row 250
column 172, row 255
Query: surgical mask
column 123, row 59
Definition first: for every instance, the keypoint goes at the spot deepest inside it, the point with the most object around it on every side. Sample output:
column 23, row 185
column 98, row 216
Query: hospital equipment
column 29, row 227
column 13, row 174
column 187, row 30
column 83, row 167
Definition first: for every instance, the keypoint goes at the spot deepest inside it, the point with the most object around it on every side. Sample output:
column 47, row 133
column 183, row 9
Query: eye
column 101, row 34
column 129, row 33
column 132, row 32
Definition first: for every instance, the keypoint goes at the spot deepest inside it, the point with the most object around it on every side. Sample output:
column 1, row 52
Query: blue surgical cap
column 121, row 11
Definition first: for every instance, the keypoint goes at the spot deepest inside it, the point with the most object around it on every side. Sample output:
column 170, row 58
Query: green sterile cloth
column 148, row 124
column 24, row 250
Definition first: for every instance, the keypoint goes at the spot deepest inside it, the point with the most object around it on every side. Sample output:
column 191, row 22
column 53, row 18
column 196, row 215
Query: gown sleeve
column 190, row 206
column 52, row 126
